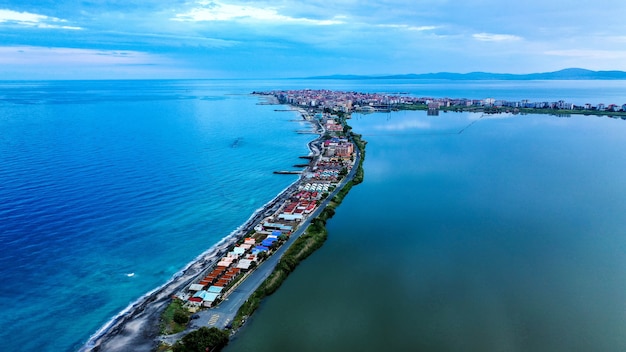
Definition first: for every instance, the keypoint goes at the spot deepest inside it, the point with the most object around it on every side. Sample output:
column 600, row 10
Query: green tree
column 262, row 256
column 288, row 263
column 180, row 317
column 201, row 340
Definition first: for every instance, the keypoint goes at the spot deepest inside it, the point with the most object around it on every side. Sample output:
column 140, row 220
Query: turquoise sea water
column 108, row 188
column 506, row 237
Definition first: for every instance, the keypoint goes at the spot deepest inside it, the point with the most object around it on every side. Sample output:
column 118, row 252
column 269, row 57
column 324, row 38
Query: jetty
column 291, row 172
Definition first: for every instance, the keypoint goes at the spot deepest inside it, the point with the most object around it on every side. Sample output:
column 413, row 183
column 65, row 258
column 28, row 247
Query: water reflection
column 507, row 237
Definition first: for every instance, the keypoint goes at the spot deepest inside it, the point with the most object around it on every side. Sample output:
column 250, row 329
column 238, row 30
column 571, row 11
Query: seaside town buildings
column 347, row 102
column 332, row 162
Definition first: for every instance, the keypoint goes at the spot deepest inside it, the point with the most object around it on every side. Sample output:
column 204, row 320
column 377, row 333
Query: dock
column 292, row 172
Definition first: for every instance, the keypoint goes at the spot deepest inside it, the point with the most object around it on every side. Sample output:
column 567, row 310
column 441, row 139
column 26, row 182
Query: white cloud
column 490, row 37
column 589, row 54
column 180, row 40
column 407, row 27
column 421, row 28
column 32, row 62
column 33, row 20
column 29, row 55
column 217, row 11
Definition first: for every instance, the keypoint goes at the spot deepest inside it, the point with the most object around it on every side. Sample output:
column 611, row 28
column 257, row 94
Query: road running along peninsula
column 136, row 328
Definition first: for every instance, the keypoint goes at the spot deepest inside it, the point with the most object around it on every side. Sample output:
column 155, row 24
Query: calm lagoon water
column 506, row 237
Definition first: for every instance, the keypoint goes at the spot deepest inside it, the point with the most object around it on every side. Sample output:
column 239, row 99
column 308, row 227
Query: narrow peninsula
column 210, row 299
column 213, row 296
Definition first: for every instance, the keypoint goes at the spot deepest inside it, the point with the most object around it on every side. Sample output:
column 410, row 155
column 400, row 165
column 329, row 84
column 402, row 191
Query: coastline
column 136, row 328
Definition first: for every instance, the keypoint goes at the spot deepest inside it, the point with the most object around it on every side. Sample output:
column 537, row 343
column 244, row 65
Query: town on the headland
column 369, row 102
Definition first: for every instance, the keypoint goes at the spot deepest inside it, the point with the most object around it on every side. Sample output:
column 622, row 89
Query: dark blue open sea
column 507, row 237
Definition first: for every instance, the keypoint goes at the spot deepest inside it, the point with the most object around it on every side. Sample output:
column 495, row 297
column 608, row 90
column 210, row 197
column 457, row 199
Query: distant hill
column 566, row 74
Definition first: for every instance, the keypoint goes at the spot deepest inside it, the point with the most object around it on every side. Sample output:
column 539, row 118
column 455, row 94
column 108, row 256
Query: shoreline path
column 137, row 327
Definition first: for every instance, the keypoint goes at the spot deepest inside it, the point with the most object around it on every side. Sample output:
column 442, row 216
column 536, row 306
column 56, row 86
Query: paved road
column 225, row 312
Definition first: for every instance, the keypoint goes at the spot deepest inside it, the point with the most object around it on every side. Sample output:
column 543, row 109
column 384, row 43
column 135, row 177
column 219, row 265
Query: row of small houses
column 243, row 257
column 239, row 260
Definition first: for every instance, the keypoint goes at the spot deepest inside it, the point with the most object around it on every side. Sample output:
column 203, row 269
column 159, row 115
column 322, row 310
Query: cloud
column 589, row 54
column 33, row 20
column 29, row 55
column 177, row 39
column 407, row 27
column 490, row 37
column 32, row 62
column 217, row 11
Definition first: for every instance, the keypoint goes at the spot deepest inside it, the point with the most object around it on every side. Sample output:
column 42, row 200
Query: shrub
column 203, row 339
column 181, row 317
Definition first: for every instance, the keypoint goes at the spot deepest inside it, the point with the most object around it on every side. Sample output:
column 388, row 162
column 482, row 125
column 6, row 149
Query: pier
column 292, row 172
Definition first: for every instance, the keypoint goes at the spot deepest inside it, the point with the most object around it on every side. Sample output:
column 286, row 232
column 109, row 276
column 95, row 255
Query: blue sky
column 100, row 39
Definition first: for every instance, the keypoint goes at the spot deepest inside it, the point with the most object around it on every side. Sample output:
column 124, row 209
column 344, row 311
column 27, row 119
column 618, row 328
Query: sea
column 470, row 232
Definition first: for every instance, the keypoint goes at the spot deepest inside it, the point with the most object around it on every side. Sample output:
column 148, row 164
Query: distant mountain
column 566, row 74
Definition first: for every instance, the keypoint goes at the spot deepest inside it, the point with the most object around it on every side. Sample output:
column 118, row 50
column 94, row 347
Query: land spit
column 137, row 328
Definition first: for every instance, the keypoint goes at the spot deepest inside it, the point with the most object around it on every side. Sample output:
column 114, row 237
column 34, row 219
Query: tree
column 262, row 255
column 180, row 317
column 202, row 339
column 288, row 263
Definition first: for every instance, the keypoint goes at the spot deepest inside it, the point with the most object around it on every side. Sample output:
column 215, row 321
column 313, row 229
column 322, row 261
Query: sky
column 153, row 39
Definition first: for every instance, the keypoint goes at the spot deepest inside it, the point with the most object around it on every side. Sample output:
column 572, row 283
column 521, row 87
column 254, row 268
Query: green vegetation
column 174, row 318
column 306, row 244
column 201, row 340
column 312, row 239
column 163, row 347
column 358, row 176
column 180, row 317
